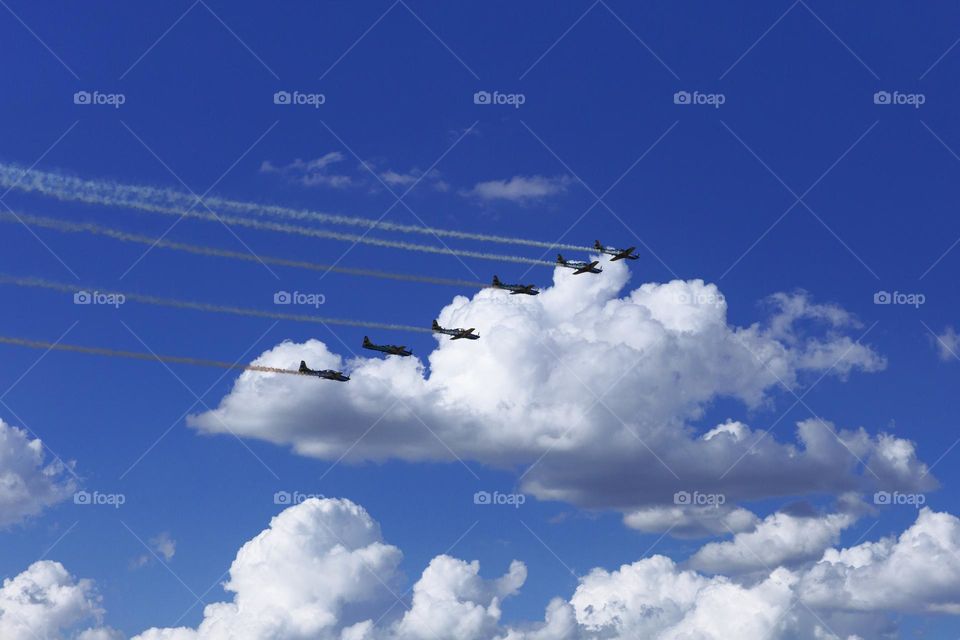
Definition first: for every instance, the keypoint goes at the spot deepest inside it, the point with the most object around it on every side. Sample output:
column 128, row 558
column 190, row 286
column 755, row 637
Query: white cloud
column 519, row 188
column 690, row 521
column 948, row 344
column 319, row 571
column 311, row 173
column 452, row 601
column 917, row 571
column 409, row 178
column 295, row 579
column 781, row 539
column 45, row 601
column 28, row 482
column 601, row 391
column 161, row 546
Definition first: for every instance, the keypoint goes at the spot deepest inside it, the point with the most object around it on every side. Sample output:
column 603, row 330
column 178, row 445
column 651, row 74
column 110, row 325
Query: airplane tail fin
column 366, row 341
column 597, row 245
column 560, row 259
column 496, row 281
column 436, row 325
column 303, row 366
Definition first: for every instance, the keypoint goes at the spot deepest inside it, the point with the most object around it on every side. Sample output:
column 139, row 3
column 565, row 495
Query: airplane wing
column 585, row 268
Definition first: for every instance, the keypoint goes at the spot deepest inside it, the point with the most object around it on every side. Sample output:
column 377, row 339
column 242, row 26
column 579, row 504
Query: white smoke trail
column 203, row 306
column 116, row 234
column 136, row 355
column 171, row 202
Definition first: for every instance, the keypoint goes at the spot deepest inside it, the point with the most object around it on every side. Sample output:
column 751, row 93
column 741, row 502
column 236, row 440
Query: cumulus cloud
column 311, row 173
column 522, row 189
column 918, row 571
column 319, row 571
column 28, row 482
column 299, row 577
column 45, row 601
column 451, row 600
column 781, row 539
column 599, row 391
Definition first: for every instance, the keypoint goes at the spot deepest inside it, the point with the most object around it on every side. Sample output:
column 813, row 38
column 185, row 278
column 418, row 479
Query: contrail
column 202, row 306
column 136, row 355
column 170, row 202
column 116, row 234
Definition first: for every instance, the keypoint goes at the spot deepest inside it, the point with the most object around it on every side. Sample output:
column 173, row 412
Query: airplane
column 456, row 334
column 326, row 374
column 514, row 289
column 618, row 254
column 390, row 349
column 579, row 266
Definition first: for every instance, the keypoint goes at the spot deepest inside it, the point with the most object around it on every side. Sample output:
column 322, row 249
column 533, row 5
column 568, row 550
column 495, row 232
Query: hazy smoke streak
column 136, row 355
column 116, row 234
column 202, row 306
column 169, row 202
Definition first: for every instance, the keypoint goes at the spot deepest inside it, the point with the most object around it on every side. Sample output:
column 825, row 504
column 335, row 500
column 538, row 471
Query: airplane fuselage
column 389, row 349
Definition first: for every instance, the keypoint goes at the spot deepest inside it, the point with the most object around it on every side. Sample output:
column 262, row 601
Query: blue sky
column 798, row 181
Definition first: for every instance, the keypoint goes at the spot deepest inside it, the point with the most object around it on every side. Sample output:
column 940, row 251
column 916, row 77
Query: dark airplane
column 578, row 266
column 618, row 254
column 326, row 374
column 456, row 334
column 390, row 349
column 514, row 289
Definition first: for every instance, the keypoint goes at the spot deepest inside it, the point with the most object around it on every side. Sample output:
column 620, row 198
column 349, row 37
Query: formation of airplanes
column 578, row 266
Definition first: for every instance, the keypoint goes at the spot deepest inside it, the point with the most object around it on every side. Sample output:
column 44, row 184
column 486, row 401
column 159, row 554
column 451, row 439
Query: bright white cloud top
column 322, row 571
column 599, row 392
